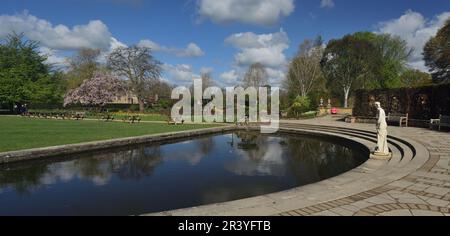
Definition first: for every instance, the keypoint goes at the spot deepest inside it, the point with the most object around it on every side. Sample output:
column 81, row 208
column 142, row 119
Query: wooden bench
column 398, row 117
column 131, row 119
column 107, row 117
column 443, row 121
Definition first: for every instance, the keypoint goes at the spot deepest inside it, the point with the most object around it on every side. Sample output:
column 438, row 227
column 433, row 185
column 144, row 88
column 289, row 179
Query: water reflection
column 259, row 155
column 98, row 169
column 166, row 176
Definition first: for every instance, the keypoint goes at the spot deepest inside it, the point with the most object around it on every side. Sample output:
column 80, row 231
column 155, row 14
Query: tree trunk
column 141, row 105
column 346, row 92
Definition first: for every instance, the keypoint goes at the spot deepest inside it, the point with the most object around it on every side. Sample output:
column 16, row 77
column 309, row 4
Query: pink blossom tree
column 103, row 88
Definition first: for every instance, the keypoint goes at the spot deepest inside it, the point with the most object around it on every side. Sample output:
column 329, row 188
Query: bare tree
column 256, row 76
column 161, row 89
column 305, row 69
column 82, row 66
column 207, row 80
column 139, row 66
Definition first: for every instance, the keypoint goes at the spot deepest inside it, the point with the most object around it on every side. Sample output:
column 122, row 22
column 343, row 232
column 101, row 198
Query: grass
column 18, row 133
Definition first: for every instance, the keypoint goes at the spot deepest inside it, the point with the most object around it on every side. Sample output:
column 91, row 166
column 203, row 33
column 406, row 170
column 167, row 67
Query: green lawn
column 22, row 133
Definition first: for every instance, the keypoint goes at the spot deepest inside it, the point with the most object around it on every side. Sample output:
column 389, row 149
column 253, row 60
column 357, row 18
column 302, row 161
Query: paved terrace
column 416, row 181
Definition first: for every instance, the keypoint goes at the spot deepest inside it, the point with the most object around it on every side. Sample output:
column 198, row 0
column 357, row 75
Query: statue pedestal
column 380, row 156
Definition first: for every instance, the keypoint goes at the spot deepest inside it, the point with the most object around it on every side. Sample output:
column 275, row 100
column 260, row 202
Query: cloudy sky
column 222, row 37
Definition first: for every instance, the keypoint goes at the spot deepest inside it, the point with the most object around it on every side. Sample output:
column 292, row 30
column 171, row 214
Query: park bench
column 443, row 121
column 79, row 115
column 398, row 117
column 107, row 117
column 132, row 119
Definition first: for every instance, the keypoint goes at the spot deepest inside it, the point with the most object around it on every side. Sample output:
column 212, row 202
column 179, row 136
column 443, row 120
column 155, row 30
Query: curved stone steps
column 391, row 137
column 397, row 151
column 401, row 151
column 396, row 144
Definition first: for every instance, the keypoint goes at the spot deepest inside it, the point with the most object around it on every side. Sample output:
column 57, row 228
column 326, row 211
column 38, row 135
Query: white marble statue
column 382, row 145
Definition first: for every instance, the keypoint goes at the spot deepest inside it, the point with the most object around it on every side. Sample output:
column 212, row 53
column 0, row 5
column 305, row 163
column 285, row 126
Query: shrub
column 300, row 105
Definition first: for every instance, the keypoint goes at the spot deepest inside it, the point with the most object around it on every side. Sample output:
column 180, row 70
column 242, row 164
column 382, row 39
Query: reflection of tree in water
column 253, row 143
column 190, row 151
column 127, row 164
column 206, row 145
column 317, row 159
column 247, row 140
column 138, row 163
column 98, row 168
column 257, row 155
column 22, row 179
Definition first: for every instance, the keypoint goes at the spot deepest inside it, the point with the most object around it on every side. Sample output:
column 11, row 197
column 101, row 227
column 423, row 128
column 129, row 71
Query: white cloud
column 327, row 4
column 115, row 44
column 258, row 12
column 191, row 50
column 230, row 77
column 267, row 49
column 181, row 74
column 206, row 70
column 95, row 34
column 276, row 76
column 416, row 30
column 52, row 57
column 56, row 38
column 149, row 44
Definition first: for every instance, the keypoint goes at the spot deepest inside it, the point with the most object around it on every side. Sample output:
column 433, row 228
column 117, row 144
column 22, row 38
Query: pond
column 164, row 176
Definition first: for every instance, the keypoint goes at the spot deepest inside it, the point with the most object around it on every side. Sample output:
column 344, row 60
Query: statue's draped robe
column 382, row 146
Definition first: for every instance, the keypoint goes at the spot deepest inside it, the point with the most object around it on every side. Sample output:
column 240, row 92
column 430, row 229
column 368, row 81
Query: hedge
column 420, row 103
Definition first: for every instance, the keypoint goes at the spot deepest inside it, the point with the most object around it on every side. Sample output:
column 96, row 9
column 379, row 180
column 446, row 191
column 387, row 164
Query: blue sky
column 219, row 36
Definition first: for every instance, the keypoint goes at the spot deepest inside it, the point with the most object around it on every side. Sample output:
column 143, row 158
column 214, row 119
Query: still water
column 158, row 177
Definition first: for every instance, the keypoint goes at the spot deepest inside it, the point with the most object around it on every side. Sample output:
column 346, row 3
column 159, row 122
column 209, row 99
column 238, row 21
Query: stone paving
column 425, row 191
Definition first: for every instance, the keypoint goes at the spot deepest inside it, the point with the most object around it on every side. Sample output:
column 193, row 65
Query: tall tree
column 304, row 69
column 162, row 89
column 394, row 54
column 347, row 61
column 436, row 54
column 207, row 81
column 82, row 66
column 415, row 78
column 24, row 76
column 256, row 76
column 139, row 66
